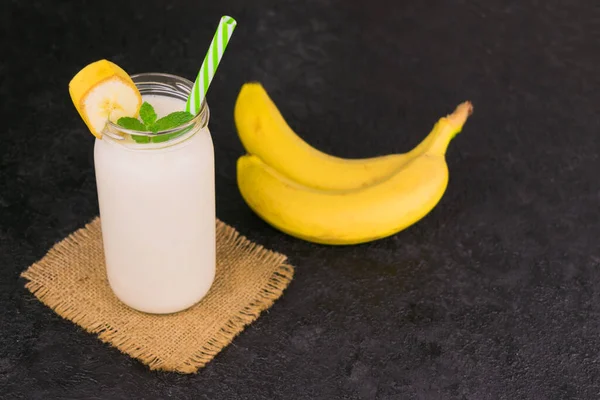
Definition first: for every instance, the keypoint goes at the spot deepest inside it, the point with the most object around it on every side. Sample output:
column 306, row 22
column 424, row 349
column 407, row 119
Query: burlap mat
column 71, row 279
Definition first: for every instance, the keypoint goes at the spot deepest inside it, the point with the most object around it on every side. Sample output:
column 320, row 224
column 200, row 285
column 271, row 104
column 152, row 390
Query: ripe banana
column 264, row 132
column 342, row 217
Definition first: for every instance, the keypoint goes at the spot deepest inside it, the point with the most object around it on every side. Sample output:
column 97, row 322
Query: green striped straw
column 210, row 64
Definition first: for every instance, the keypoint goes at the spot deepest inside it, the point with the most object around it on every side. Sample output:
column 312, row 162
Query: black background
column 494, row 295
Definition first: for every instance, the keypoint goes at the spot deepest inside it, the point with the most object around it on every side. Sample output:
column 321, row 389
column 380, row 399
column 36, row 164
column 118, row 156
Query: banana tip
column 462, row 112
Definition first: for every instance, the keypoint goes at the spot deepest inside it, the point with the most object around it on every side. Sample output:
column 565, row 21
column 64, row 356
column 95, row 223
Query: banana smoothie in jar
column 154, row 166
column 155, row 177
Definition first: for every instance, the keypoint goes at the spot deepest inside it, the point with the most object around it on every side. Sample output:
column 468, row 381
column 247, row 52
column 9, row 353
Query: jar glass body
column 156, row 197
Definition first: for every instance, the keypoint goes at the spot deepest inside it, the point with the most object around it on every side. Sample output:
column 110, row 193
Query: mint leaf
column 140, row 139
column 169, row 136
column 172, row 120
column 131, row 123
column 147, row 113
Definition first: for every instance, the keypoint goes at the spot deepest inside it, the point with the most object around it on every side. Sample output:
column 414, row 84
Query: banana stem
column 448, row 127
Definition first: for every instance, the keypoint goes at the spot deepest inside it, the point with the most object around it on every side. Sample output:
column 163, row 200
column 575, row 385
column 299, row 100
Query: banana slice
column 103, row 91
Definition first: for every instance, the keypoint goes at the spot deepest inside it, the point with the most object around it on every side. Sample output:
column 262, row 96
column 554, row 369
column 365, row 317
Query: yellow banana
column 358, row 215
column 264, row 132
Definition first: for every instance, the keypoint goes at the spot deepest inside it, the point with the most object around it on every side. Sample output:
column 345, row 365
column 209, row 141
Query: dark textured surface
column 494, row 295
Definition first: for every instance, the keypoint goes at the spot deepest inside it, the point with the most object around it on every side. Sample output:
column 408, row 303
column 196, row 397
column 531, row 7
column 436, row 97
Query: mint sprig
column 149, row 123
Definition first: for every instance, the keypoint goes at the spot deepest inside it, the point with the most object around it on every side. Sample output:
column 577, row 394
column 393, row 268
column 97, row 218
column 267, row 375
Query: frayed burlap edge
column 264, row 299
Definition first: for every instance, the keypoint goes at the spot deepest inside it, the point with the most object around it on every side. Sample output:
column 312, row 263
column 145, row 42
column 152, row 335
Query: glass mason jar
column 156, row 194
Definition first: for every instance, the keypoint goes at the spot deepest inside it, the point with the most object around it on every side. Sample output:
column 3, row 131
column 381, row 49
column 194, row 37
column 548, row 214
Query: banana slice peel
column 324, row 199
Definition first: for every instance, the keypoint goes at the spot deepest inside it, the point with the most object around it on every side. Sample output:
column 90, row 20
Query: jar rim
column 179, row 82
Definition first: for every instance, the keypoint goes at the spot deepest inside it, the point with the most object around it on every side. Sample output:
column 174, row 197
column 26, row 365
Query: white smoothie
column 157, row 210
